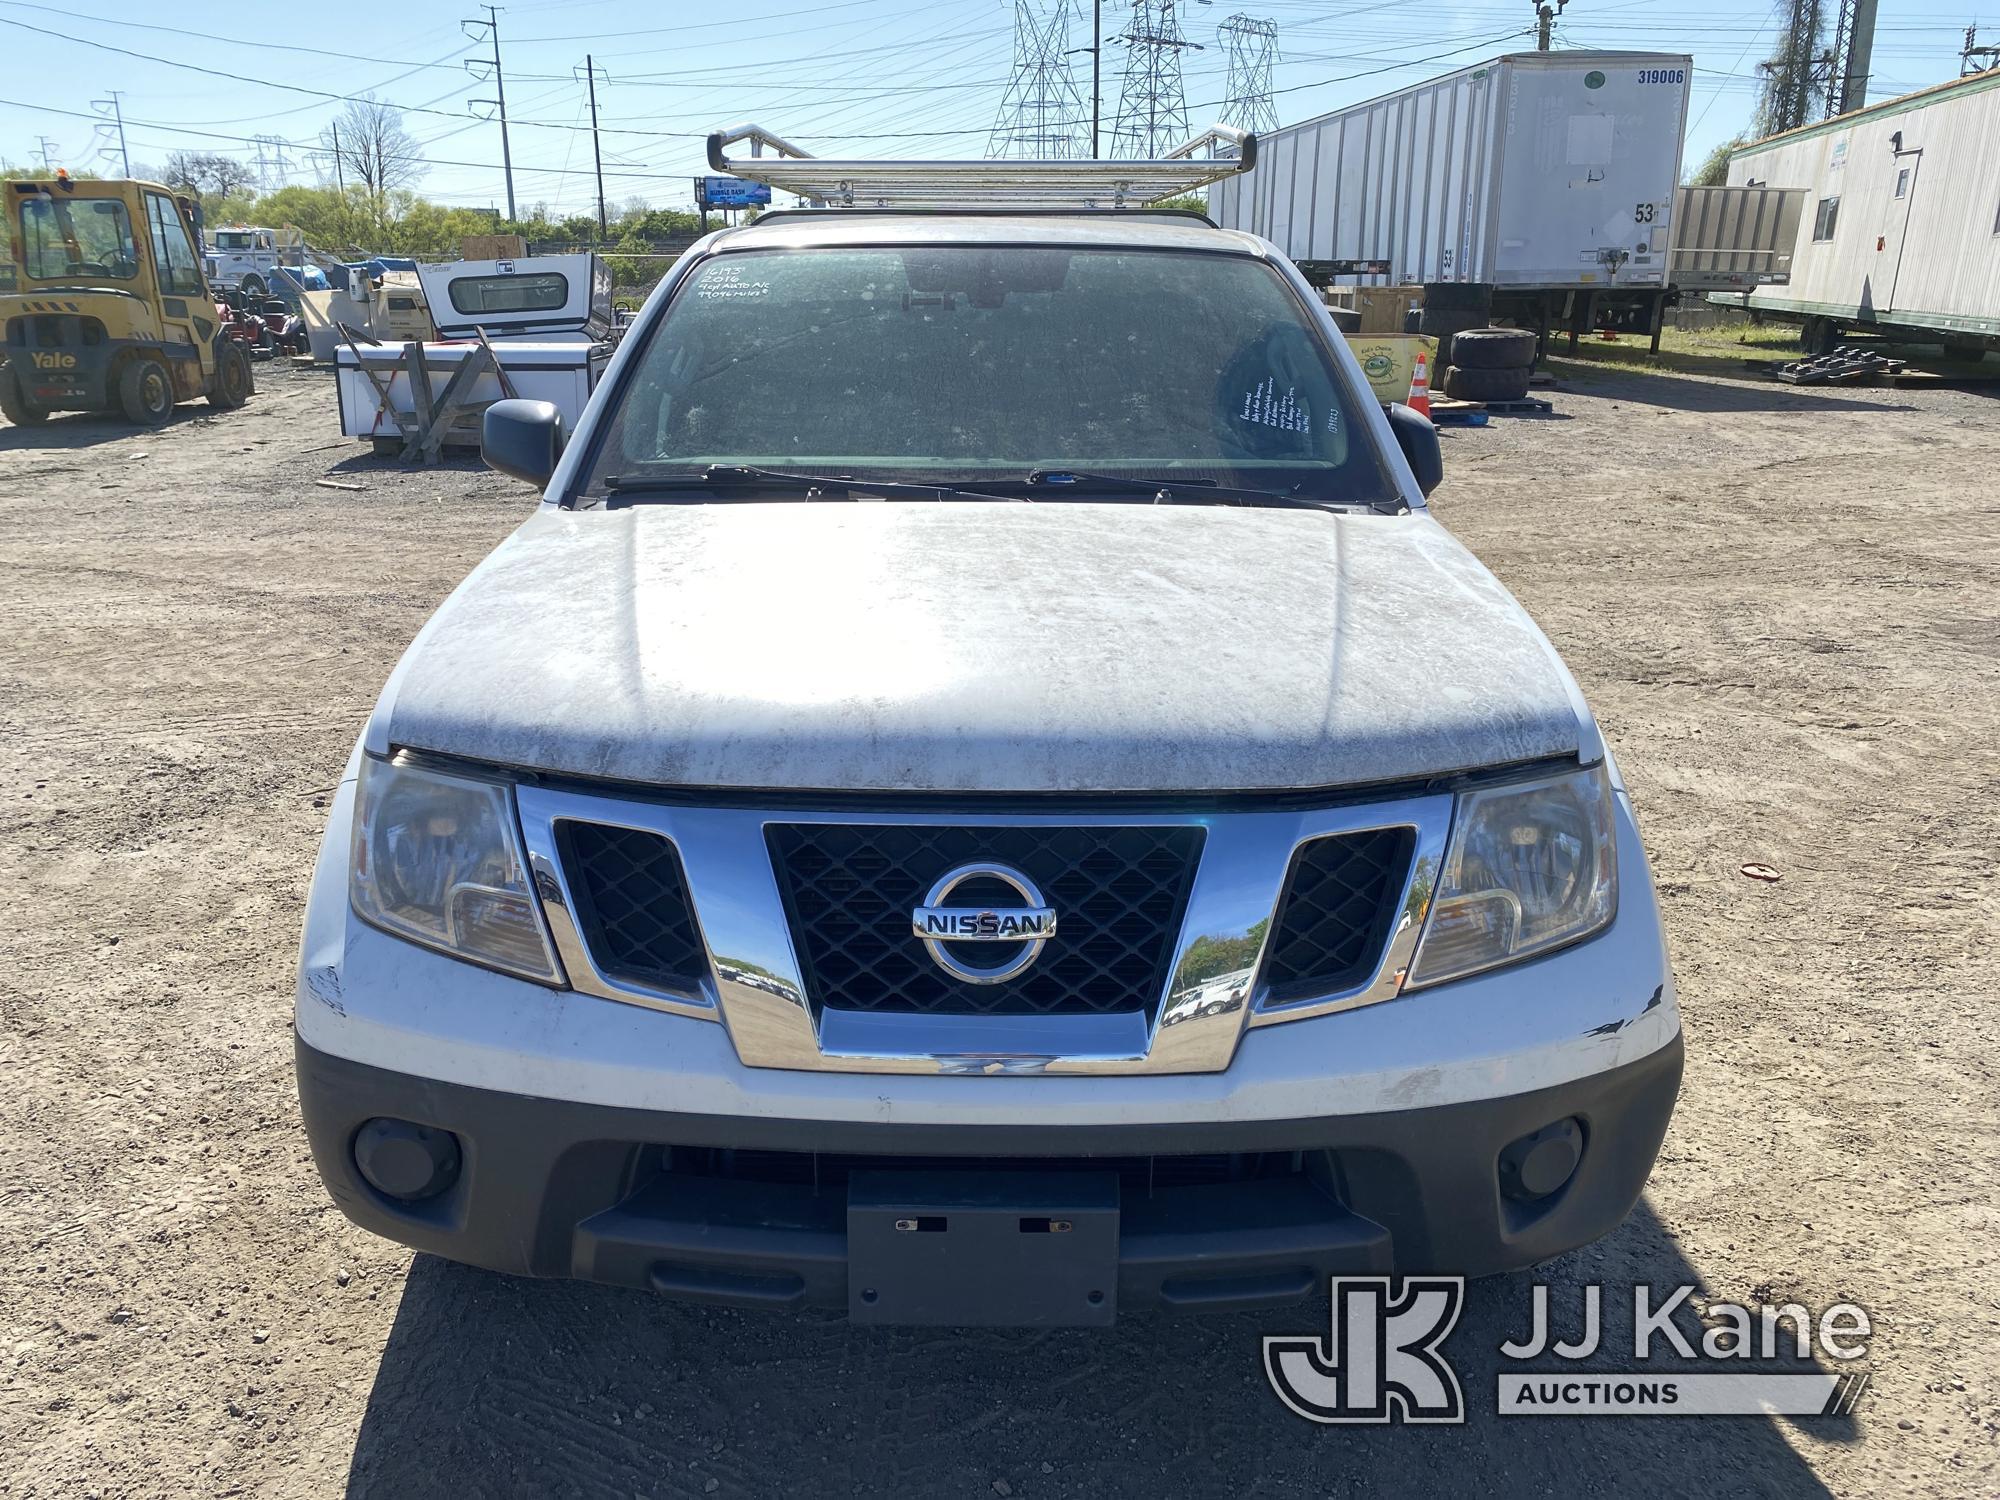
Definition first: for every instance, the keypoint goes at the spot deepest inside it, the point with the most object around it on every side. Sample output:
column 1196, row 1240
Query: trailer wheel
column 1818, row 336
column 1973, row 350
column 1463, row 384
column 146, row 392
column 16, row 405
column 252, row 286
column 1493, row 349
column 232, row 377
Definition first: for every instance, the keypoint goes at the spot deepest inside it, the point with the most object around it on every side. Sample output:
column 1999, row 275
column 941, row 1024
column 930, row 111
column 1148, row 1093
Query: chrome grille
column 1119, row 893
column 1340, row 901
column 632, row 906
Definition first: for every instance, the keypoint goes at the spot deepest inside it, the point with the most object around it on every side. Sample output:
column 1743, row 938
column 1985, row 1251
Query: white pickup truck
column 981, row 794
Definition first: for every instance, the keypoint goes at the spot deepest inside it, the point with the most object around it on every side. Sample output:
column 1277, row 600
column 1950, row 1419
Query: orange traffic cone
column 1420, row 386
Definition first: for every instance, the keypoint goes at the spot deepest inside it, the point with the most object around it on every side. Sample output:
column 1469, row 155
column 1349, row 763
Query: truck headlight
column 437, row 860
column 1530, row 867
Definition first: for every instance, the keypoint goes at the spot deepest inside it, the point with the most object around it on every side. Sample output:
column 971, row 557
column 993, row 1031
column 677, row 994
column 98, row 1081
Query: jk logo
column 1382, row 1363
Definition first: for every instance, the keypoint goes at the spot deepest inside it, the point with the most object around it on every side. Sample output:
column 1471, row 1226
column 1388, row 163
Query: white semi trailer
column 1900, row 228
column 1537, row 187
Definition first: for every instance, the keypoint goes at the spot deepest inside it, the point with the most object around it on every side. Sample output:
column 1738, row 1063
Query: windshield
column 232, row 240
column 977, row 363
column 63, row 237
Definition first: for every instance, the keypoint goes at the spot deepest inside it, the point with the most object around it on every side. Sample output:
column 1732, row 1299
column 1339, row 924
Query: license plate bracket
column 983, row 1248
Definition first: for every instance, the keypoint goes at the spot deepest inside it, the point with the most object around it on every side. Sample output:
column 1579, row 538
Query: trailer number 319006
column 1663, row 75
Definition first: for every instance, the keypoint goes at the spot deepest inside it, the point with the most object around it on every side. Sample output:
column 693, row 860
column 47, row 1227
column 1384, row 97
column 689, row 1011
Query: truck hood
column 981, row 647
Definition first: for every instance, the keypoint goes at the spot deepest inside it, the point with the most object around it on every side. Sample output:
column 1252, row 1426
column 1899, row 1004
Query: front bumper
column 719, row 1208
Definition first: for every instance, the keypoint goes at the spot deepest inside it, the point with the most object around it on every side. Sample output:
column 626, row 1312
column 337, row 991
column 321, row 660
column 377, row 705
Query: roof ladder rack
column 844, row 182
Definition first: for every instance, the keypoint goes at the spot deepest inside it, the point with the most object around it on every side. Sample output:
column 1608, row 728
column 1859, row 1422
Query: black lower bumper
column 756, row 1211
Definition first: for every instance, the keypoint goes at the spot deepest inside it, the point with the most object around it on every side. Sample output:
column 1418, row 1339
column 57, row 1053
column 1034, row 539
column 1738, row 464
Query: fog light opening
column 1539, row 1165
column 403, row 1160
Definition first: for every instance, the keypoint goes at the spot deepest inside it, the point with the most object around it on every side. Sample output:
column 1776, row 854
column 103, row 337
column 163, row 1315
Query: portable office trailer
column 1901, row 226
column 1538, row 185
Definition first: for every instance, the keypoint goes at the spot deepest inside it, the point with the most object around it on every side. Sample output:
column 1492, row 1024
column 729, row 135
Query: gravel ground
column 1785, row 607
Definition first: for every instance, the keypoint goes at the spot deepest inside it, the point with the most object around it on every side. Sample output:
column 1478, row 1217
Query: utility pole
column 596, row 149
column 339, row 176
column 1545, row 20
column 492, row 25
column 118, row 115
column 1096, row 72
column 43, row 146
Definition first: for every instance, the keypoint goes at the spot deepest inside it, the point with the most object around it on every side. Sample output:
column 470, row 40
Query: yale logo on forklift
column 54, row 361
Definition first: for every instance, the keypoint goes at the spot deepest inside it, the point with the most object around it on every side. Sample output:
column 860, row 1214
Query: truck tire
column 146, row 391
column 1973, row 350
column 233, row 380
column 1485, row 385
column 1494, row 349
column 15, row 404
column 1442, row 323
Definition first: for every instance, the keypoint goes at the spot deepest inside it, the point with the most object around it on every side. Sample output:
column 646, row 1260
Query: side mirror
column 523, row 438
column 1417, row 438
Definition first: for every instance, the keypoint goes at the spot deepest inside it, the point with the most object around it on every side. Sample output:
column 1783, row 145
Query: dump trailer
column 1537, row 187
column 1901, row 225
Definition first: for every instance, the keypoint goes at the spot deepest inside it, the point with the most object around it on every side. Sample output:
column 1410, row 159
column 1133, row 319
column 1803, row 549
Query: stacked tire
column 1489, row 364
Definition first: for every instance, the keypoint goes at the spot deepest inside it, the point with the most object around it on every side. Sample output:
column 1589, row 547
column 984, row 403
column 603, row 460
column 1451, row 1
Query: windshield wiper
column 1172, row 491
column 744, row 476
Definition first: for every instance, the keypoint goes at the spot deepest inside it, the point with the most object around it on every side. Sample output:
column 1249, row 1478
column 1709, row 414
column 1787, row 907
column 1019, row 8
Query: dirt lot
column 1785, row 607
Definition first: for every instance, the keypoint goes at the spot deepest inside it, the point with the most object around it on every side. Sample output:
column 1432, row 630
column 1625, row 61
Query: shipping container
column 1543, row 171
column 1901, row 225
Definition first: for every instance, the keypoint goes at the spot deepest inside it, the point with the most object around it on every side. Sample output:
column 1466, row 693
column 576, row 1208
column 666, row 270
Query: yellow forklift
column 107, row 308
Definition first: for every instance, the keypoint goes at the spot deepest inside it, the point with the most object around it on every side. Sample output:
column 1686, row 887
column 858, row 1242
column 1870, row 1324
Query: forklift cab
column 109, row 309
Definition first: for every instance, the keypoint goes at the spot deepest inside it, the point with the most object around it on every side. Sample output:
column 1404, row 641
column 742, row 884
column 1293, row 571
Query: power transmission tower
column 1250, row 47
column 1798, row 76
column 1974, row 58
column 118, row 119
column 1853, row 52
column 499, row 102
column 1041, row 113
column 1152, row 107
column 272, row 163
column 591, row 73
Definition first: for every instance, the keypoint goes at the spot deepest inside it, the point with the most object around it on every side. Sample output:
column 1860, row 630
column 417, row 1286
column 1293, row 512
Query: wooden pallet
column 1447, row 412
column 1527, row 406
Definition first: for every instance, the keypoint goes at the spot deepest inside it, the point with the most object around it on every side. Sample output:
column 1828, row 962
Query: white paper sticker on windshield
column 1264, row 406
column 730, row 283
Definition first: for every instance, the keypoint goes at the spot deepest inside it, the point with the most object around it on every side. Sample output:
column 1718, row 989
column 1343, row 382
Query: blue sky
column 860, row 77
